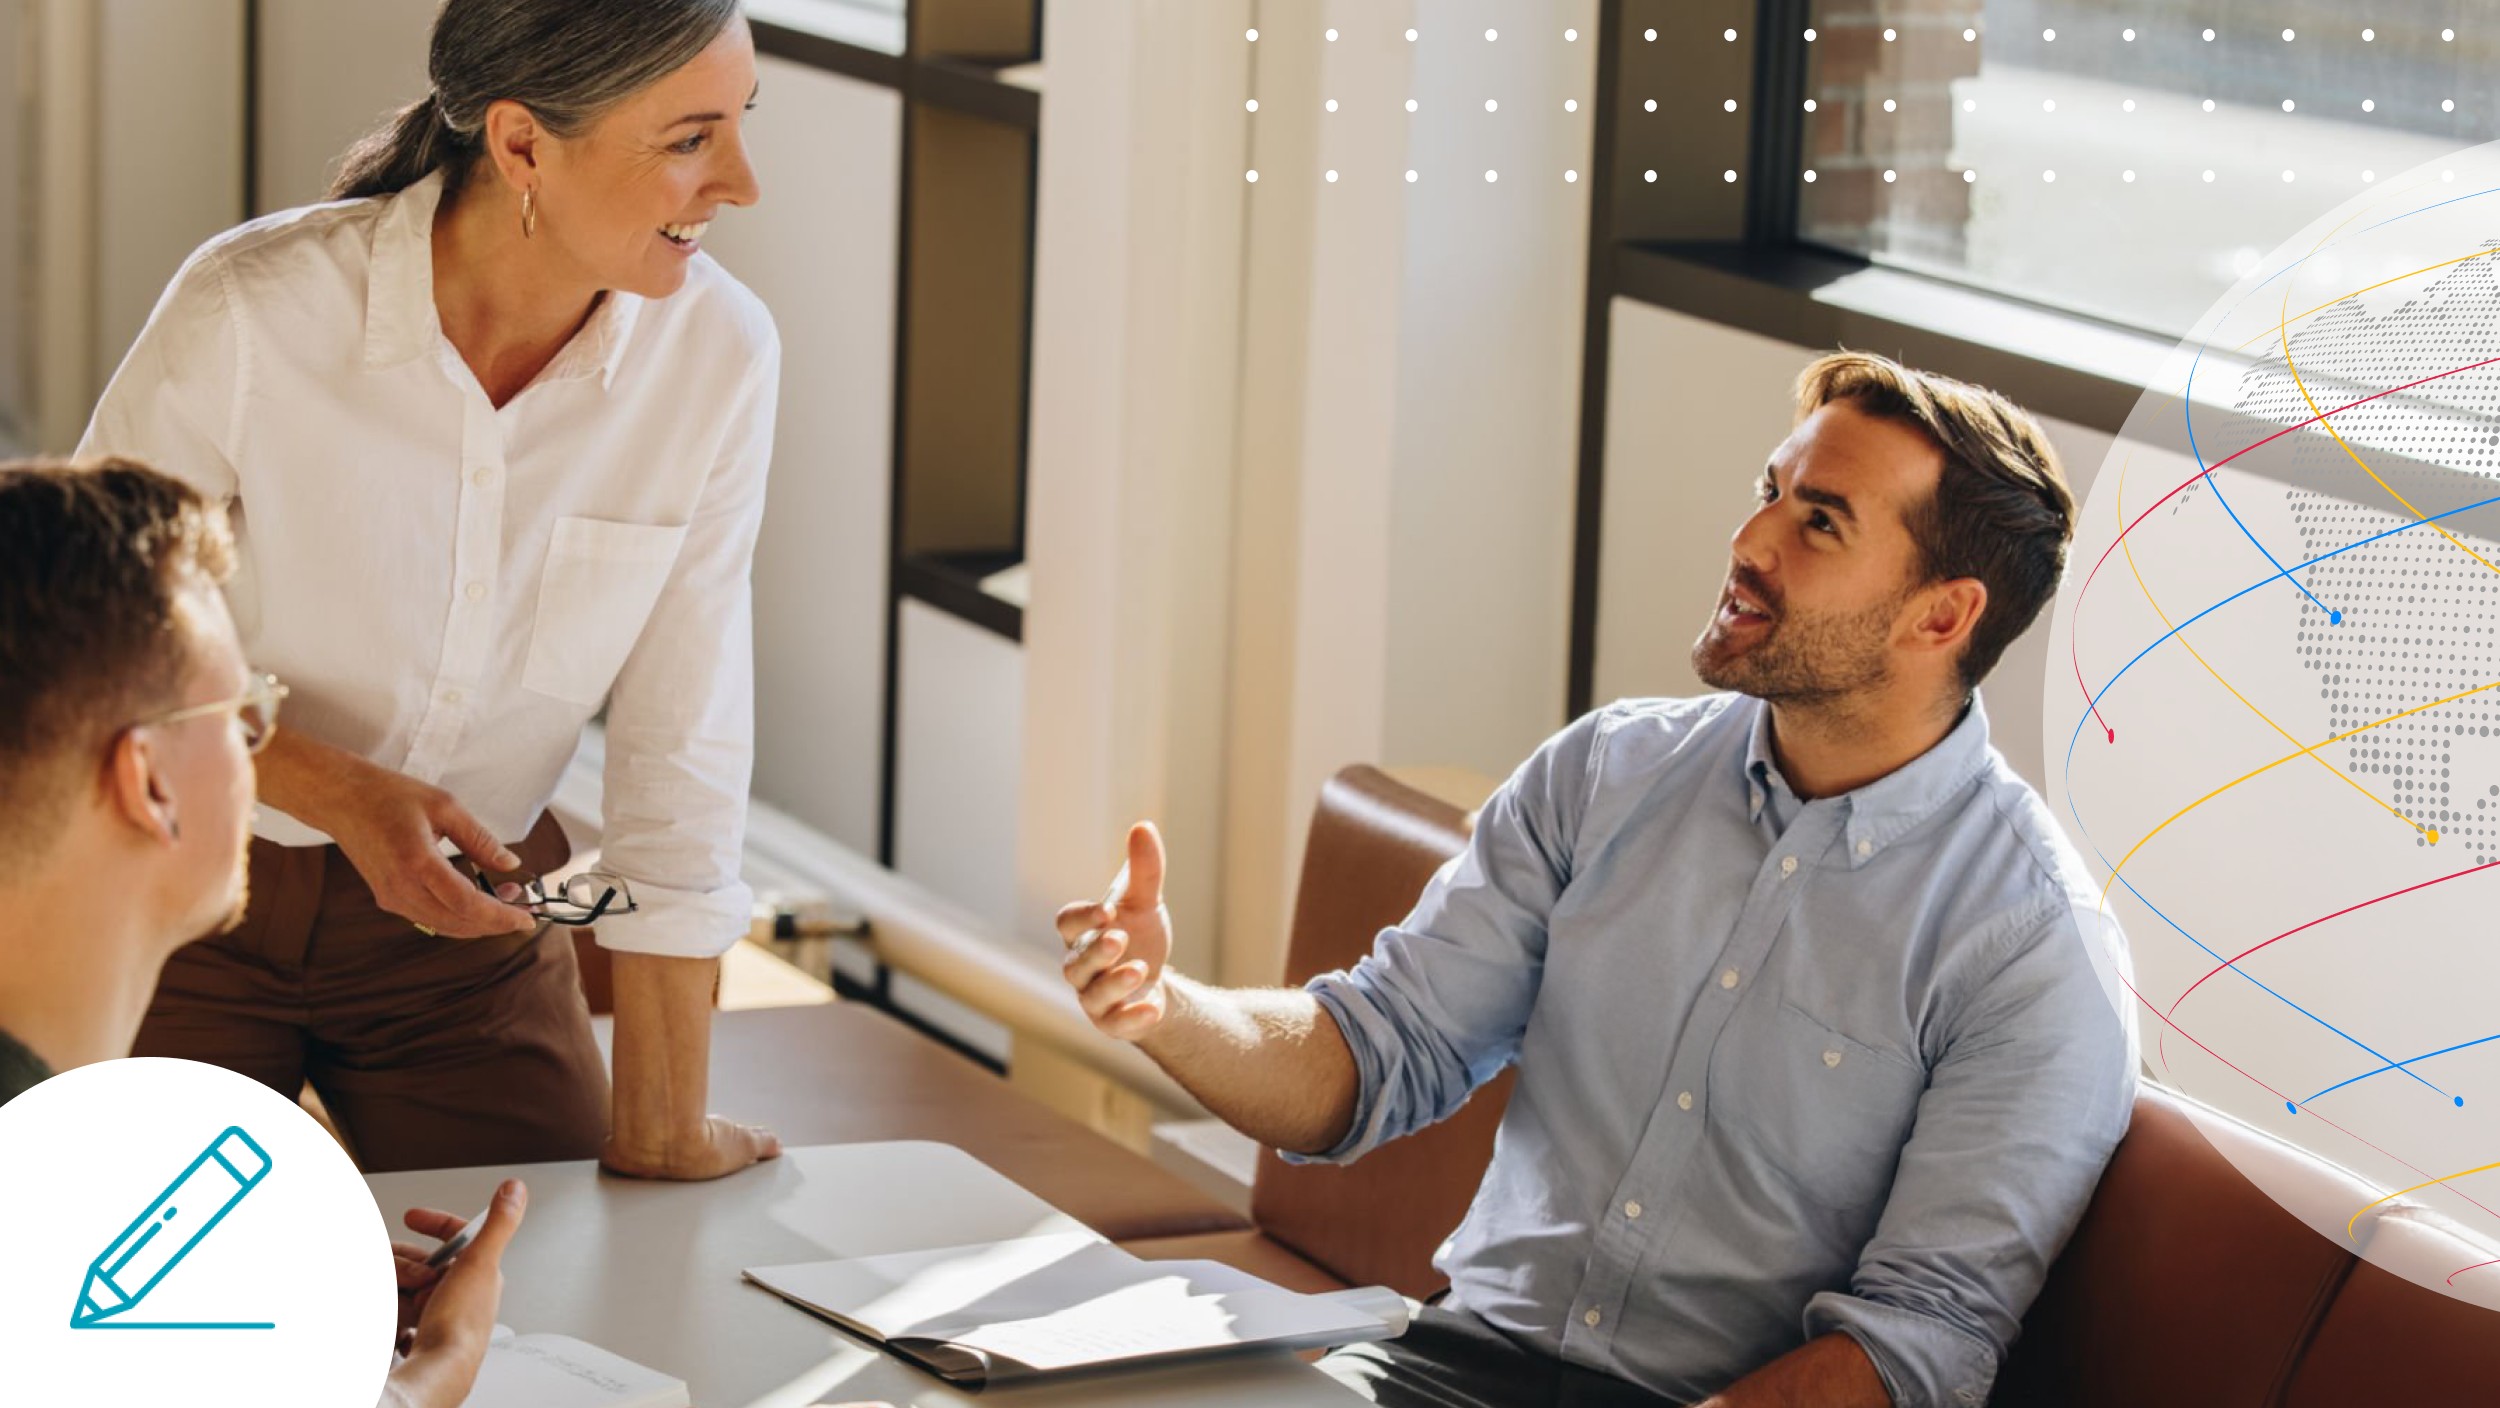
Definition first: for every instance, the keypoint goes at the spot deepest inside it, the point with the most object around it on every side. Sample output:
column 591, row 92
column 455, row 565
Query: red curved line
column 2072, row 633
column 2477, row 1266
column 2234, row 959
column 2304, row 1109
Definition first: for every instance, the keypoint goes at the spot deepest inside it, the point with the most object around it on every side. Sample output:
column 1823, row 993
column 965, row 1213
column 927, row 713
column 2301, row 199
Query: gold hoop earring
column 529, row 212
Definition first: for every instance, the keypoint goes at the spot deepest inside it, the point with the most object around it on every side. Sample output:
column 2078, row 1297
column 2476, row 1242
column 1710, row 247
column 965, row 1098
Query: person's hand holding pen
column 447, row 1306
column 1118, row 947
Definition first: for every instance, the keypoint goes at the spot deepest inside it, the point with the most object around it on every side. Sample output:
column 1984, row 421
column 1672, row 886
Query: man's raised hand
column 1118, row 946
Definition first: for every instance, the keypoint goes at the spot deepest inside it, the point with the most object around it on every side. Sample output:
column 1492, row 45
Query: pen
column 459, row 1241
column 1111, row 897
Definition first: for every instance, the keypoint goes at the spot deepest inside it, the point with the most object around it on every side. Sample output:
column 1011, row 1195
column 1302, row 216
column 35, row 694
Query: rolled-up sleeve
column 2022, row 1111
column 681, row 719
column 1439, row 1006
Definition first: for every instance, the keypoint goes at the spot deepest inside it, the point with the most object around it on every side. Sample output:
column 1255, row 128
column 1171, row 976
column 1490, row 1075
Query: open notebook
column 551, row 1371
column 1001, row 1311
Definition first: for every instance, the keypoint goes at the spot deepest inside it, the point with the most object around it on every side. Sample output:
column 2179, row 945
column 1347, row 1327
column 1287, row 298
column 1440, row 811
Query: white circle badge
column 181, row 1233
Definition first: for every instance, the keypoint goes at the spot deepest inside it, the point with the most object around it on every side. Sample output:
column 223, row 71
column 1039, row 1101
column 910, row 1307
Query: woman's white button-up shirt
column 453, row 591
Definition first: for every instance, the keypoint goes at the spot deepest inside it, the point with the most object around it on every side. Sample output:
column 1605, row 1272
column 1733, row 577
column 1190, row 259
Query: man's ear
column 512, row 137
column 137, row 787
column 1948, row 611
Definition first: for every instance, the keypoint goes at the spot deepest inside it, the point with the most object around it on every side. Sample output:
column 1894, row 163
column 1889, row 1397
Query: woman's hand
column 389, row 825
column 662, row 1055
column 447, row 1314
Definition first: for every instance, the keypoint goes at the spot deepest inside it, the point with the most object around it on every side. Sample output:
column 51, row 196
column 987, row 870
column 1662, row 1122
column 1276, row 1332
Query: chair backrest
column 1375, row 842
column 2189, row 1284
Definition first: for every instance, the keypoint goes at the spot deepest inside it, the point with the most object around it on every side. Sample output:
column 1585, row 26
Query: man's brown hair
column 2001, row 511
column 94, row 559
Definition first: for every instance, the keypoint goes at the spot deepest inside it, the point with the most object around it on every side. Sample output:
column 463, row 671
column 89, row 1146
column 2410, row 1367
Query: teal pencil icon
column 159, row 1238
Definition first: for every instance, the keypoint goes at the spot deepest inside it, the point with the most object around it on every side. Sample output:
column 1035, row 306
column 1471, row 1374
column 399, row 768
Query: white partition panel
column 17, row 176
column 959, row 749
column 329, row 73
column 820, row 250
column 169, row 152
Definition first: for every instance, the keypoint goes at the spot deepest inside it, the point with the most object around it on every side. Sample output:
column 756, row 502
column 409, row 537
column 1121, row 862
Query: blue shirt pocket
column 1813, row 1108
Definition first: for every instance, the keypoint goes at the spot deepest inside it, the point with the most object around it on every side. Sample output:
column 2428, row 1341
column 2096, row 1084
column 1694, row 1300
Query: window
column 2131, row 178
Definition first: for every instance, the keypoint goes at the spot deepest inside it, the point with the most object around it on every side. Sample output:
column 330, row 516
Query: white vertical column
column 64, row 338
column 1137, row 300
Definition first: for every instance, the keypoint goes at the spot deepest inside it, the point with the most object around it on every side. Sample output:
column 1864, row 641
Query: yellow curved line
column 2129, row 549
column 2356, row 293
column 2329, row 425
column 2388, row 197
column 2243, row 777
column 2416, row 1188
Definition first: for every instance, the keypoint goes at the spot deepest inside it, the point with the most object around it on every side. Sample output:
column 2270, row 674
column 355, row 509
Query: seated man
column 127, row 724
column 1817, row 1061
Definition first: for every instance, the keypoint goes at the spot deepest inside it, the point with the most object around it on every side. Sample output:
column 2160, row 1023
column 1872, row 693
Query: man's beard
column 1800, row 659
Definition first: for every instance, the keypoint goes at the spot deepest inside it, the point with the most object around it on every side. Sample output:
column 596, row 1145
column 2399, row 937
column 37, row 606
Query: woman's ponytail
column 565, row 60
column 411, row 147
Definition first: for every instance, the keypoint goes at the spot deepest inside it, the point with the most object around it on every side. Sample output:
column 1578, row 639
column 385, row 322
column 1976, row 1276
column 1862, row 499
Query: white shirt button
column 1632, row 1210
column 1832, row 1059
column 1591, row 1318
column 451, row 696
column 477, row 591
column 1684, row 1100
column 1866, row 848
column 1728, row 979
column 482, row 476
column 1788, row 865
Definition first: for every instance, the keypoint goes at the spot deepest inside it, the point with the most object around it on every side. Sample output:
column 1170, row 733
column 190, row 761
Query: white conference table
column 651, row 1271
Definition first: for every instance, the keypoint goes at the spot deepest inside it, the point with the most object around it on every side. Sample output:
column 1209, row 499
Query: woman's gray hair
column 567, row 61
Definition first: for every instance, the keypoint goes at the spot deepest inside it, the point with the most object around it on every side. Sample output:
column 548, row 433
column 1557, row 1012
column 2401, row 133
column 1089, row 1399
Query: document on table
column 552, row 1371
column 1050, row 1304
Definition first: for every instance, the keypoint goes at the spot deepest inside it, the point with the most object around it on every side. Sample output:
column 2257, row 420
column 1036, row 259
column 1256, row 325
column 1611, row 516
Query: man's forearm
column 1829, row 1372
column 1269, row 1062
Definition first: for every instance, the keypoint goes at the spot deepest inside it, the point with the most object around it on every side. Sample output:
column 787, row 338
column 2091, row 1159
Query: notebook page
column 921, row 1293
column 1164, row 1315
column 552, row 1371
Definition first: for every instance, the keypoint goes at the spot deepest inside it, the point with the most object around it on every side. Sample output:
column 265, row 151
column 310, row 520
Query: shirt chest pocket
column 602, row 580
column 1827, row 1112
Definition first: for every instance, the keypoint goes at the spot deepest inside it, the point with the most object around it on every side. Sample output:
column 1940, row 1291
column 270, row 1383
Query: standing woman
column 493, row 433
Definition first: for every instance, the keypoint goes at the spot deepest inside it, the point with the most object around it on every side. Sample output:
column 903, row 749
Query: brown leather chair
column 1374, row 844
column 2186, row 1285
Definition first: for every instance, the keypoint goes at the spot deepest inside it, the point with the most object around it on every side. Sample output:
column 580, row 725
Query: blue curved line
column 2400, row 1065
column 2205, row 473
column 2391, row 1063
column 2418, row 210
column 2262, row 581
column 2187, row 404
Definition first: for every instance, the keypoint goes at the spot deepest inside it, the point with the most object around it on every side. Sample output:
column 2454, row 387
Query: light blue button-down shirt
column 1785, row 1067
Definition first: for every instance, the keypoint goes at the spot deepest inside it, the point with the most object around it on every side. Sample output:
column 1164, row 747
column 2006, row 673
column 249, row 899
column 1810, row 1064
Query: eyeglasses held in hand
column 581, row 899
column 255, row 710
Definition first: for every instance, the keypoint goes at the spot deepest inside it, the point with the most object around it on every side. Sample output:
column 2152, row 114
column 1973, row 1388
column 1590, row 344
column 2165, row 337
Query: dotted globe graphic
column 2274, row 679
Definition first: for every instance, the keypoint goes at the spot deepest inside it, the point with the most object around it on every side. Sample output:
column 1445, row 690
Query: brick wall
column 1850, row 140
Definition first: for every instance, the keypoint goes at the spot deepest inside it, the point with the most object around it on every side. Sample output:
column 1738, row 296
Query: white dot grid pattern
column 1890, row 105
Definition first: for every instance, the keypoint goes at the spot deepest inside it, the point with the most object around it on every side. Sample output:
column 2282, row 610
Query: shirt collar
column 1889, row 806
column 402, row 324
